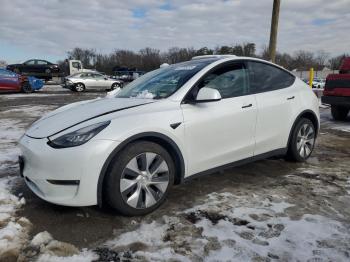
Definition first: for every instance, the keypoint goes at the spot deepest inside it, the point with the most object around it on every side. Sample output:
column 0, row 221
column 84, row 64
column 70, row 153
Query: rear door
column 277, row 103
column 221, row 132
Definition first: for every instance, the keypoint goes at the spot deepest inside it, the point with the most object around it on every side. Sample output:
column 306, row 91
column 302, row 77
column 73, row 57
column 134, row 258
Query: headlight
column 69, row 81
column 78, row 137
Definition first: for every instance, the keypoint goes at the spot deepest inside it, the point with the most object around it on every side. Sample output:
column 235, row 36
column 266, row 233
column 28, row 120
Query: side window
column 97, row 76
column 41, row 62
column 230, row 80
column 30, row 62
column 76, row 65
column 264, row 77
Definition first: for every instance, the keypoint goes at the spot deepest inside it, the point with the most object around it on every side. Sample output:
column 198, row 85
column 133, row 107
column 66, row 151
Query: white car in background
column 318, row 83
column 168, row 126
column 81, row 81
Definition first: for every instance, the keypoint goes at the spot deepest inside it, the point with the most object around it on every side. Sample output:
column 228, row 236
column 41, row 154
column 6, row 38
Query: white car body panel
column 232, row 143
column 208, row 135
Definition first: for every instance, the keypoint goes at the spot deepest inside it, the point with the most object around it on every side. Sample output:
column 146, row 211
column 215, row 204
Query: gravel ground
column 264, row 211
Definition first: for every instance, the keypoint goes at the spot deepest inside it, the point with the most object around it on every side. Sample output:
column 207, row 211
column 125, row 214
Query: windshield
column 163, row 82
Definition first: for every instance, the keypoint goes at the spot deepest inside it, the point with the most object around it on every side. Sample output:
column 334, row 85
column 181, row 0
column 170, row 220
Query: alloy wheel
column 305, row 140
column 79, row 87
column 144, row 180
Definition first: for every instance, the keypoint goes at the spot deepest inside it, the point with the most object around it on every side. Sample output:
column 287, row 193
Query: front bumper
column 66, row 176
column 68, row 85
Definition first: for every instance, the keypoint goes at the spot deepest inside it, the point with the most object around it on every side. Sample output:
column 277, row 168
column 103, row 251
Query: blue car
column 35, row 83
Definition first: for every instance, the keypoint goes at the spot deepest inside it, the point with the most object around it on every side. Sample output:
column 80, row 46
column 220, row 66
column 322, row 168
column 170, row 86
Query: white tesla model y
column 169, row 125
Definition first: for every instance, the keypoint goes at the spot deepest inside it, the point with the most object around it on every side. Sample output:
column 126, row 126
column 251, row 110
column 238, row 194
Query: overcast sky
column 49, row 28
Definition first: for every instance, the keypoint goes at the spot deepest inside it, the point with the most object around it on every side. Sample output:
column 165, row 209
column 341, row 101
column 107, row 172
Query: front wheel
column 139, row 179
column 302, row 141
column 115, row 85
column 339, row 112
column 79, row 87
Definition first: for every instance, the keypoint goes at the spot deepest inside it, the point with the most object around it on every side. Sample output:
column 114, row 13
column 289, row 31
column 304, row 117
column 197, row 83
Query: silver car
column 79, row 82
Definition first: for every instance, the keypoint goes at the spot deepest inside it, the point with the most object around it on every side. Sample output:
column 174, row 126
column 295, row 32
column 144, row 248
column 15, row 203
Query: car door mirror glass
column 207, row 94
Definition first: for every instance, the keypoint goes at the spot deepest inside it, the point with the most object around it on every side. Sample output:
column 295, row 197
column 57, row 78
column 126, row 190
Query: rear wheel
column 139, row 180
column 26, row 88
column 302, row 141
column 339, row 112
column 79, row 87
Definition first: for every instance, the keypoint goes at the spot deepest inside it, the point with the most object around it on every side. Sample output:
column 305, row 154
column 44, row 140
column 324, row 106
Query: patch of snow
column 145, row 94
column 36, row 94
column 41, row 238
column 328, row 122
column 237, row 228
column 84, row 256
column 32, row 111
column 112, row 93
column 13, row 231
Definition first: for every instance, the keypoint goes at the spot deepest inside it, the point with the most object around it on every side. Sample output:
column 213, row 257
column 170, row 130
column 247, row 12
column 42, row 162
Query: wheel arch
column 155, row 137
column 309, row 114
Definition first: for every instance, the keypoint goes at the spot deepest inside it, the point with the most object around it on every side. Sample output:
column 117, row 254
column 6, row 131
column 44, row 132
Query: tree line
column 148, row 59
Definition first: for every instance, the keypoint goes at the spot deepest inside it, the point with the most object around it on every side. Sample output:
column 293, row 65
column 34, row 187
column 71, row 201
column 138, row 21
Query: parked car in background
column 168, row 126
column 337, row 94
column 12, row 82
column 35, row 67
column 337, row 91
column 318, row 83
column 35, row 83
column 79, row 82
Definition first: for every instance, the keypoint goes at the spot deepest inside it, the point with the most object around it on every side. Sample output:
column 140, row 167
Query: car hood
column 76, row 113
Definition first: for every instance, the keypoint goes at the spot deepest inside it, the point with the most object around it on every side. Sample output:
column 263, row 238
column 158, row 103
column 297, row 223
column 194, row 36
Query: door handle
column 246, row 106
column 290, row 98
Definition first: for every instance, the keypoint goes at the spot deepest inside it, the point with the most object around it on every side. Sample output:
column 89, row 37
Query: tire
column 134, row 192
column 339, row 113
column 302, row 141
column 48, row 71
column 79, row 87
column 115, row 85
column 26, row 88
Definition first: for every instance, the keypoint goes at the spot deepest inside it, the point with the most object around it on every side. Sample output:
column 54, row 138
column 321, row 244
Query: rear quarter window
column 264, row 77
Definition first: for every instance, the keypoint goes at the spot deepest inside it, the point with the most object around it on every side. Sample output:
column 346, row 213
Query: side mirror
column 207, row 94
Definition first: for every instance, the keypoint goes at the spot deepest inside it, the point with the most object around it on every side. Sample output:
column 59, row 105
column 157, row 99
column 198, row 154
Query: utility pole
column 274, row 29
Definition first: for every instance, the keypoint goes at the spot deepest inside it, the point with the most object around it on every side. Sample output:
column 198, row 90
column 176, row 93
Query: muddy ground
column 319, row 188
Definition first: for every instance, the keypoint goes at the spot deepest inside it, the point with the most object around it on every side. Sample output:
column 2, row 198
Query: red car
column 10, row 81
column 337, row 91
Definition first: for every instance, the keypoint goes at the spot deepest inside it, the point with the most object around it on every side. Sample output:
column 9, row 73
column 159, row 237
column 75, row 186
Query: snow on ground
column 30, row 111
column 13, row 231
column 36, row 94
column 236, row 228
column 328, row 122
column 10, row 131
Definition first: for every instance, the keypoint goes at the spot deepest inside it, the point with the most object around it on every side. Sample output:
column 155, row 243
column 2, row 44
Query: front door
column 222, row 132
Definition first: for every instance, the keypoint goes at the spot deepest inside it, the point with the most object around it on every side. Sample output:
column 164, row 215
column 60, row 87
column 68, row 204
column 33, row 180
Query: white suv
column 169, row 125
